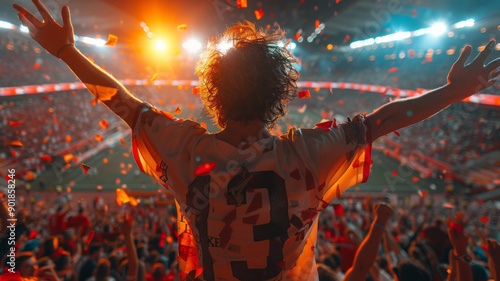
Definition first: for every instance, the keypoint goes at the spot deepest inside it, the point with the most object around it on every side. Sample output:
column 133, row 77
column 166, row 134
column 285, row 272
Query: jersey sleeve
column 159, row 140
column 340, row 155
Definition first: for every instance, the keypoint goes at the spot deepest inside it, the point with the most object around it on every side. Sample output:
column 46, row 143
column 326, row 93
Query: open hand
column 456, row 233
column 48, row 33
column 476, row 76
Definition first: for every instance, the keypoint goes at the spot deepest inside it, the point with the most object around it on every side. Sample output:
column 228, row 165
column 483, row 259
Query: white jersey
column 254, row 215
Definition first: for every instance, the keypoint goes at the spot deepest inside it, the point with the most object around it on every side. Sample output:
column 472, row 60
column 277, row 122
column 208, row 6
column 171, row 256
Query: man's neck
column 237, row 133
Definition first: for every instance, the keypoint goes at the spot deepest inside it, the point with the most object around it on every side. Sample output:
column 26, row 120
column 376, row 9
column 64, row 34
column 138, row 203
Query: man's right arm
column 122, row 103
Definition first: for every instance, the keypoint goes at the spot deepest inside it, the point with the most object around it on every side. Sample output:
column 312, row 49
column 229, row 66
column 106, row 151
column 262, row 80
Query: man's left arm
column 463, row 81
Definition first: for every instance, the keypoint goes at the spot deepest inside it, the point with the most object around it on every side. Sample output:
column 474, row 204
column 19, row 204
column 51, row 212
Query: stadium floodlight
column 464, row 23
column 160, row 45
column 24, row 29
column 6, row 25
column 192, row 45
column 438, row 28
column 92, row 41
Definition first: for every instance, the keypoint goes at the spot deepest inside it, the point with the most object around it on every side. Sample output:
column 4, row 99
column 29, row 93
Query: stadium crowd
column 402, row 240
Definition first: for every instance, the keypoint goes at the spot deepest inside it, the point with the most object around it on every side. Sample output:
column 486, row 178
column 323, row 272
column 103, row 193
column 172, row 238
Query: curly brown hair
column 252, row 80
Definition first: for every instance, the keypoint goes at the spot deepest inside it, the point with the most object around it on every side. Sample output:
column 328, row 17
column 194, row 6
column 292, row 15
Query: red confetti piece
column 203, row 124
column 37, row 65
column 99, row 138
column 304, row 94
column 415, row 179
column 196, row 91
column 46, row 158
column 122, row 140
column 347, row 37
column 104, row 124
column 297, row 36
column 324, row 115
column 423, row 194
column 7, row 178
column 241, row 3
column 91, row 235
column 394, row 173
column 338, row 209
column 340, row 102
column 13, row 153
column 205, row 169
column 69, row 138
column 392, row 70
column 327, row 125
column 456, row 226
column 178, row 110
column 47, row 98
column 316, row 24
column 485, row 219
column 414, row 13
column 14, row 123
column 14, row 143
column 397, row 134
column 85, row 168
column 259, row 14
column 480, row 202
column 112, row 39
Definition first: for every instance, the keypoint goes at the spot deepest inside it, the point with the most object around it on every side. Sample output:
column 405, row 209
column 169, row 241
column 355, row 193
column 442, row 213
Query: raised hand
column 494, row 259
column 476, row 76
column 456, row 233
column 382, row 213
column 48, row 33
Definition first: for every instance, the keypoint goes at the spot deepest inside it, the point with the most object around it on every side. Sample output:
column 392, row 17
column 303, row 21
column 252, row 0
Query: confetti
column 167, row 114
column 203, row 124
column 259, row 14
column 69, row 138
column 415, row 179
column 302, row 109
column 205, row 169
column 91, row 235
column 325, row 126
column 485, row 219
column 85, row 168
column 182, row 27
column 14, row 123
column 392, row 70
column 154, row 77
column 241, row 3
column 121, row 197
column 423, row 194
column 104, row 124
column 347, row 37
column 100, row 92
column 178, row 110
column 456, row 226
column 98, row 138
column 297, row 36
column 68, row 157
column 195, row 91
column 397, row 134
column 14, row 143
column 448, row 205
column 37, row 65
column 112, row 39
column 304, row 94
column 340, row 102
column 46, row 158
column 394, row 173
column 316, row 24
column 480, row 202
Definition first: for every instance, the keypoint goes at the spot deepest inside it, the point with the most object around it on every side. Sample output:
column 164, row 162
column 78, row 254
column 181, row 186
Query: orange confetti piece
column 182, row 27
column 104, row 124
column 121, row 197
column 105, row 160
column 14, row 143
column 304, row 94
column 102, row 93
column 91, row 235
column 99, row 138
column 122, row 140
column 126, row 155
column 178, row 110
column 195, row 91
column 259, row 14
column 191, row 106
column 85, row 168
column 205, row 169
column 37, row 65
column 347, row 37
column 423, row 194
column 203, row 124
column 14, row 123
column 316, row 24
column 392, row 70
column 69, row 138
column 68, row 157
column 241, row 3
column 168, row 115
column 112, row 39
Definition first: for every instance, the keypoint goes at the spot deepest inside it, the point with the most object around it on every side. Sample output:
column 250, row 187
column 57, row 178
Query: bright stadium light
column 192, row 45
column 438, row 28
column 224, row 46
column 464, row 23
column 92, row 41
column 161, row 45
column 6, row 25
column 24, row 29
